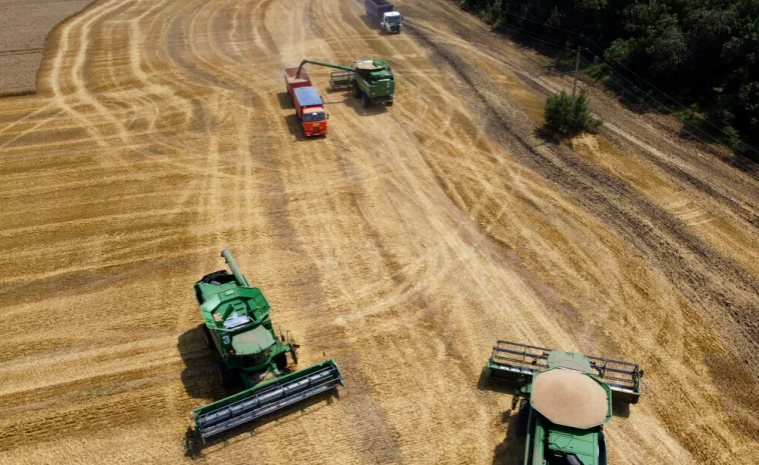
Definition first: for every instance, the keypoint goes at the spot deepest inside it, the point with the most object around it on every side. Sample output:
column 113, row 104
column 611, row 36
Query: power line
column 661, row 92
column 542, row 38
column 657, row 111
column 540, row 23
column 537, row 37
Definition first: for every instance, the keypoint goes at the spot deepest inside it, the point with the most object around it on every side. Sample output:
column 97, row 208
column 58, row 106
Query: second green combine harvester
column 372, row 81
column 238, row 327
column 567, row 400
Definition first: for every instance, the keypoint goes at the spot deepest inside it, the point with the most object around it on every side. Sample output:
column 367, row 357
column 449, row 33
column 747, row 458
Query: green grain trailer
column 239, row 329
column 567, row 398
column 372, row 81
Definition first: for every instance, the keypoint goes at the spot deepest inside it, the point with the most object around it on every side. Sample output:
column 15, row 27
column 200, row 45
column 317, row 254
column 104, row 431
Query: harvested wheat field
column 404, row 244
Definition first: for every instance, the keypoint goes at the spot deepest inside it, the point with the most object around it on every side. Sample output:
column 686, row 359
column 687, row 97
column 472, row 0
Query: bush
column 560, row 117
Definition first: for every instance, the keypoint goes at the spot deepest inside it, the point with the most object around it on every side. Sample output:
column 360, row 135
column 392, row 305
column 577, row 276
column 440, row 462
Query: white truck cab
column 392, row 22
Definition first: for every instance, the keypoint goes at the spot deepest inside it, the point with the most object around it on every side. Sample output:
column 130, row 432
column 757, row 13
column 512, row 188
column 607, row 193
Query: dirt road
column 24, row 25
column 403, row 245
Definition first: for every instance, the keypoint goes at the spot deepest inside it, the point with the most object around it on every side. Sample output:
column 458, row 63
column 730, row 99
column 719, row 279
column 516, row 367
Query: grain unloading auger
column 372, row 81
column 567, row 400
column 238, row 327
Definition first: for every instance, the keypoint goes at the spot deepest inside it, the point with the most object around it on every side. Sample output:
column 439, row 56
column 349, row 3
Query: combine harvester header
column 567, row 400
column 239, row 329
column 511, row 360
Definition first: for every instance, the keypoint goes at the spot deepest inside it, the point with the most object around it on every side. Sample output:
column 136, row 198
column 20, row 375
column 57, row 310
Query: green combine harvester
column 238, row 327
column 372, row 81
column 567, row 400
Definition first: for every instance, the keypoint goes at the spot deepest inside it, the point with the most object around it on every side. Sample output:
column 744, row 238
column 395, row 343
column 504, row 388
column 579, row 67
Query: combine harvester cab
column 238, row 327
column 568, row 400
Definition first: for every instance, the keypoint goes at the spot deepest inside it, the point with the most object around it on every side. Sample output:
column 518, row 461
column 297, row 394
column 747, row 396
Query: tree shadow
column 546, row 137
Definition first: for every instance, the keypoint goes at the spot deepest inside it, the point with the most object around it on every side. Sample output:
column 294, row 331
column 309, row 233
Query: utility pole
column 577, row 71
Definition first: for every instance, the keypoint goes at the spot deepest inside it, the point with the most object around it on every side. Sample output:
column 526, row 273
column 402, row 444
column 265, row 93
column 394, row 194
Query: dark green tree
column 562, row 118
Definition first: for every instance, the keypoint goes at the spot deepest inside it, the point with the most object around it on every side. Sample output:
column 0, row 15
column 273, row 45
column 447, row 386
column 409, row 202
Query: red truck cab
column 310, row 109
column 309, row 106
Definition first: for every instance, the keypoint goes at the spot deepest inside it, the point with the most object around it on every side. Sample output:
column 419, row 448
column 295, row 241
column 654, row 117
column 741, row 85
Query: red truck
column 308, row 104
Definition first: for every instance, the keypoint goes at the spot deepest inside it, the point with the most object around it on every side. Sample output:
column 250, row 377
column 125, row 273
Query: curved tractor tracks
column 404, row 244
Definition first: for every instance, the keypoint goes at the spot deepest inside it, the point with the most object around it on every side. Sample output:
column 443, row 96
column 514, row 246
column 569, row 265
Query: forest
column 694, row 58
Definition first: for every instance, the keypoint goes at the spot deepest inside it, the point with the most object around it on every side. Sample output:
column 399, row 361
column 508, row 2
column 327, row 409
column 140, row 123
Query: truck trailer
column 309, row 106
column 382, row 11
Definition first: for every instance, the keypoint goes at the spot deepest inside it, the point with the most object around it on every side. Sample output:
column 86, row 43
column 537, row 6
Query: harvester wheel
column 390, row 104
column 281, row 361
column 226, row 376
column 364, row 101
column 207, row 337
column 356, row 90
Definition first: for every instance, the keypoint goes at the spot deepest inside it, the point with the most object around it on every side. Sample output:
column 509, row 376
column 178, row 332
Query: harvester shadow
column 511, row 449
column 486, row 384
column 199, row 377
column 194, row 446
column 371, row 110
column 619, row 408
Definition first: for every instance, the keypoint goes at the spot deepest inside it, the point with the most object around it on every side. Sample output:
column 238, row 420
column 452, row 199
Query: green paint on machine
column 568, row 400
column 238, row 327
column 371, row 81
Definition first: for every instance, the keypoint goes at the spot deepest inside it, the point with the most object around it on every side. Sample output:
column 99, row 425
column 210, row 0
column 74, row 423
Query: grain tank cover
column 569, row 360
column 571, row 398
column 252, row 342
column 308, row 97
column 371, row 65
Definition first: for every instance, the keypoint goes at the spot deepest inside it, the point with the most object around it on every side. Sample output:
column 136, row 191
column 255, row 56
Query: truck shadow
column 285, row 101
column 199, row 377
column 194, row 445
column 296, row 129
column 371, row 24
